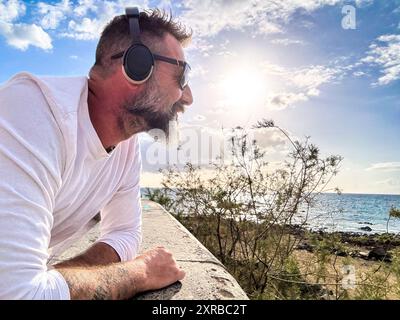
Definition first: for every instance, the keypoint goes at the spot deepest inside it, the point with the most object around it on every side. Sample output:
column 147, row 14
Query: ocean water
column 350, row 212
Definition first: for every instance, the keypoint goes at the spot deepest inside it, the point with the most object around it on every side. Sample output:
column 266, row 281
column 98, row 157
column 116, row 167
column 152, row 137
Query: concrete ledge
column 206, row 277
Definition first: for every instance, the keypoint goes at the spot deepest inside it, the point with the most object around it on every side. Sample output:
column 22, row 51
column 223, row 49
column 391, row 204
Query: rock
column 365, row 222
column 341, row 253
column 305, row 246
column 380, row 253
column 296, row 230
column 355, row 254
column 312, row 289
column 326, row 294
column 363, row 254
column 366, row 229
column 359, row 254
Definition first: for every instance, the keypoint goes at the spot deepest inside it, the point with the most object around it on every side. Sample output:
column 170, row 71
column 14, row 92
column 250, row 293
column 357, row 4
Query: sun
column 244, row 87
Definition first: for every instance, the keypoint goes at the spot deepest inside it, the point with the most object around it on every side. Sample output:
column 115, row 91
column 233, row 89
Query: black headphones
column 138, row 61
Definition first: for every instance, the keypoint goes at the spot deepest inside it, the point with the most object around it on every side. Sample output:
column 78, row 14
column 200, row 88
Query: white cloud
column 85, row 19
column 313, row 92
column 314, row 76
column 385, row 53
column 302, row 83
column 21, row 36
column 267, row 27
column 359, row 73
column 209, row 17
column 285, row 87
column 198, row 71
column 165, row 4
column 270, row 139
column 86, row 29
column 391, row 182
column 309, row 77
column 52, row 15
column 385, row 166
column 200, row 46
column 83, row 7
column 281, row 101
column 389, row 37
column 272, row 69
column 287, row 42
column 11, row 10
column 364, row 3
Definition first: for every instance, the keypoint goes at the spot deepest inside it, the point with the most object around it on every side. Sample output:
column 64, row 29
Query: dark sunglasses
column 184, row 79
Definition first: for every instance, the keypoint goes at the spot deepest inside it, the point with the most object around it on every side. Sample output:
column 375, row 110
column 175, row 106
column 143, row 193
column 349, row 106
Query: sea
column 350, row 212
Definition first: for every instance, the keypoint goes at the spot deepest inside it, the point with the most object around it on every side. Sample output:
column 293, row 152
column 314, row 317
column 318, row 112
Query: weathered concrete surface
column 206, row 277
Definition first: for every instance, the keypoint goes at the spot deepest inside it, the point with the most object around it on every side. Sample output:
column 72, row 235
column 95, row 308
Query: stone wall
column 206, row 277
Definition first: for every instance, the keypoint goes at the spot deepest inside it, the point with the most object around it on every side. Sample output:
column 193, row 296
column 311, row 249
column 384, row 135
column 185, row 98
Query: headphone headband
column 133, row 17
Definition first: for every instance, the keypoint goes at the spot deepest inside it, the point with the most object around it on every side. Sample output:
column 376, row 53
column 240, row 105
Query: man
column 69, row 149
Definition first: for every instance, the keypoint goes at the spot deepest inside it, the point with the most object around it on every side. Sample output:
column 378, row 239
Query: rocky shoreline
column 364, row 246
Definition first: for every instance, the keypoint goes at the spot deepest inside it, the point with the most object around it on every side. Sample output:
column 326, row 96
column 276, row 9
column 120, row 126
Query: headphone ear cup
column 138, row 63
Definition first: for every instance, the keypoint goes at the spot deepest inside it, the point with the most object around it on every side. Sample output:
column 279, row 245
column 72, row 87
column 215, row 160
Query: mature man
column 69, row 149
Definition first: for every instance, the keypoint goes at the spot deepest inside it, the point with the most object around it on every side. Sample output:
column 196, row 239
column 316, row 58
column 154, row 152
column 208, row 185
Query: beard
column 147, row 109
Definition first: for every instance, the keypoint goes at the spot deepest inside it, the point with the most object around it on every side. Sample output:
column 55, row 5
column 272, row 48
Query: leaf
column 394, row 212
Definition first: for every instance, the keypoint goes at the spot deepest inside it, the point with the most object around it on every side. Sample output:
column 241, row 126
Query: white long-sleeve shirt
column 55, row 176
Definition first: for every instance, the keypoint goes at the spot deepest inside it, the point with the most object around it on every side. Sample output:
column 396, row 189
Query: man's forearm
column 97, row 255
column 96, row 274
column 154, row 269
column 114, row 281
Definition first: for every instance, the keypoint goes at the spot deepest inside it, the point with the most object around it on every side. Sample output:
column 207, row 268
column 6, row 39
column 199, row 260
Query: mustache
column 177, row 107
column 155, row 119
column 150, row 112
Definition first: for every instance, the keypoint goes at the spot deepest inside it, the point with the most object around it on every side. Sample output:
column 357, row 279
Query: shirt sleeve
column 31, row 153
column 121, row 218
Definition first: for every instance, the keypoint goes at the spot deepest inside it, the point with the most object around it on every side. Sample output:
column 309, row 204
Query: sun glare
column 244, row 87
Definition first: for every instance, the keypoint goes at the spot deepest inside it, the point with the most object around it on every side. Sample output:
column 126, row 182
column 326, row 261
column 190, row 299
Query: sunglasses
column 184, row 78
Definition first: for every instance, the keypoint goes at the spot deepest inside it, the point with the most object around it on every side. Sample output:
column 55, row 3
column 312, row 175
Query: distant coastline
column 368, row 194
column 348, row 212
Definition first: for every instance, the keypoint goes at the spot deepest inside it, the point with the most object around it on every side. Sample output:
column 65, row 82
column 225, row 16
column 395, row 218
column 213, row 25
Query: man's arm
column 32, row 149
column 98, row 254
column 154, row 269
column 121, row 217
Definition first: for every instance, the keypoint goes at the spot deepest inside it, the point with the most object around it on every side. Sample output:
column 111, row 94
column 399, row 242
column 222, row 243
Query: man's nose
column 187, row 98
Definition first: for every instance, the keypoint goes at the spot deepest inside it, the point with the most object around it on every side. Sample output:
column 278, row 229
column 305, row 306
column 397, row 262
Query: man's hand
column 161, row 269
column 151, row 270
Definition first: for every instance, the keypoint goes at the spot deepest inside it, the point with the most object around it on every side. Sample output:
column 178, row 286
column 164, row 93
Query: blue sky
column 291, row 61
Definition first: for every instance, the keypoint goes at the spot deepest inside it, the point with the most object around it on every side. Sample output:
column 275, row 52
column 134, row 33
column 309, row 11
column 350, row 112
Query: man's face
column 162, row 97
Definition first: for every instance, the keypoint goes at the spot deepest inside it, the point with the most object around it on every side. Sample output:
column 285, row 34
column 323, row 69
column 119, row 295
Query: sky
column 328, row 69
